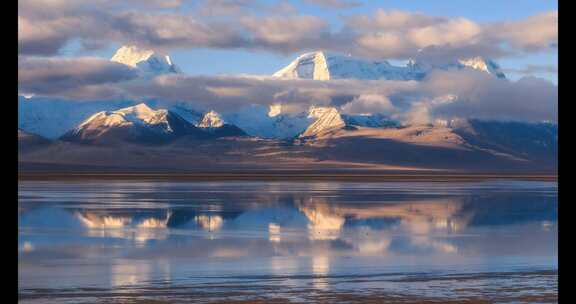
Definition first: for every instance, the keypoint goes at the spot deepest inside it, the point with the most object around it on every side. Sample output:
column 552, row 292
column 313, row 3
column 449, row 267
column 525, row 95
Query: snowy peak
column 326, row 66
column 476, row 63
column 306, row 66
column 213, row 123
column 211, row 120
column 145, row 60
column 486, row 65
column 136, row 123
column 275, row 110
column 130, row 55
column 138, row 114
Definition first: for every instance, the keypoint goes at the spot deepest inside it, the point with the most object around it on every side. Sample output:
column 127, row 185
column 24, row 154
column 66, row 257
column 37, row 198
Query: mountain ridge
column 425, row 148
column 126, row 133
column 320, row 65
column 138, row 123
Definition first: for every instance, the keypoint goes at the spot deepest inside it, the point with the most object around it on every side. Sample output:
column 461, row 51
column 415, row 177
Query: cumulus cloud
column 34, row 38
column 45, row 33
column 532, row 69
column 419, row 114
column 391, row 20
column 225, row 7
column 224, row 93
column 370, row 103
column 234, row 8
column 287, row 33
column 172, row 31
column 47, row 26
column 531, row 34
column 442, row 94
column 399, row 34
column 72, row 77
column 481, row 96
column 334, row 4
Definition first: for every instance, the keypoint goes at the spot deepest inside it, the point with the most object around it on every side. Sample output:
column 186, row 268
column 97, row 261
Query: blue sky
column 209, row 61
column 216, row 61
column 215, row 37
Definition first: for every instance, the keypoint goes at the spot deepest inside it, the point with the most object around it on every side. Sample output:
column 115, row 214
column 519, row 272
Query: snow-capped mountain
column 260, row 121
column 187, row 111
column 326, row 119
column 148, row 61
column 136, row 123
column 213, row 123
column 273, row 122
column 421, row 68
column 320, row 133
column 326, row 66
column 51, row 118
column 486, row 65
column 211, row 120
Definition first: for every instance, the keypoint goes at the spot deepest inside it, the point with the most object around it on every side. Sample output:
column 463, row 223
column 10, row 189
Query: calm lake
column 287, row 242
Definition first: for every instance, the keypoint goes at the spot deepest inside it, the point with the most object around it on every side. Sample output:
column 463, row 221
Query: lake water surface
column 284, row 242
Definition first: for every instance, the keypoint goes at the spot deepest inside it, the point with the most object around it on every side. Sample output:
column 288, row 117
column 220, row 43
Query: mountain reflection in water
column 349, row 238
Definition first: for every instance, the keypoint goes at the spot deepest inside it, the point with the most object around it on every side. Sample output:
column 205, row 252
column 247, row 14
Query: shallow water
column 171, row 242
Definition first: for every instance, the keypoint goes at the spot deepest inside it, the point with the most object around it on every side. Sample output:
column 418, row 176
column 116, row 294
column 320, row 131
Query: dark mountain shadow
column 396, row 153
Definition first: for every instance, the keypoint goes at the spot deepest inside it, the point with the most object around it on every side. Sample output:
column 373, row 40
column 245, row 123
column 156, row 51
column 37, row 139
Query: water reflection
column 142, row 229
column 324, row 223
column 126, row 272
column 320, row 270
column 358, row 226
column 274, row 232
column 210, row 223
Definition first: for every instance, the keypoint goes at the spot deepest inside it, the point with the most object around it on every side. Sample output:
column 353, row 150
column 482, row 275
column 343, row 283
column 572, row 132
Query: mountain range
column 327, row 66
column 138, row 135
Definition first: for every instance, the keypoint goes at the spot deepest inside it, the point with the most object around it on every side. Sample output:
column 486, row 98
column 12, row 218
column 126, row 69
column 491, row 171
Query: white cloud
column 47, row 26
column 530, row 34
column 71, row 77
column 443, row 94
column 334, row 4
column 369, row 103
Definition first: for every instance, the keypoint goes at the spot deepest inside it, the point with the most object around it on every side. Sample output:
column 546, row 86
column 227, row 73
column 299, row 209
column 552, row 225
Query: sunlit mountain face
column 324, row 110
column 287, row 151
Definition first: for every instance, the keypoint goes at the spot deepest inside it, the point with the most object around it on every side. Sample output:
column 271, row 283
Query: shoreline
column 285, row 176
